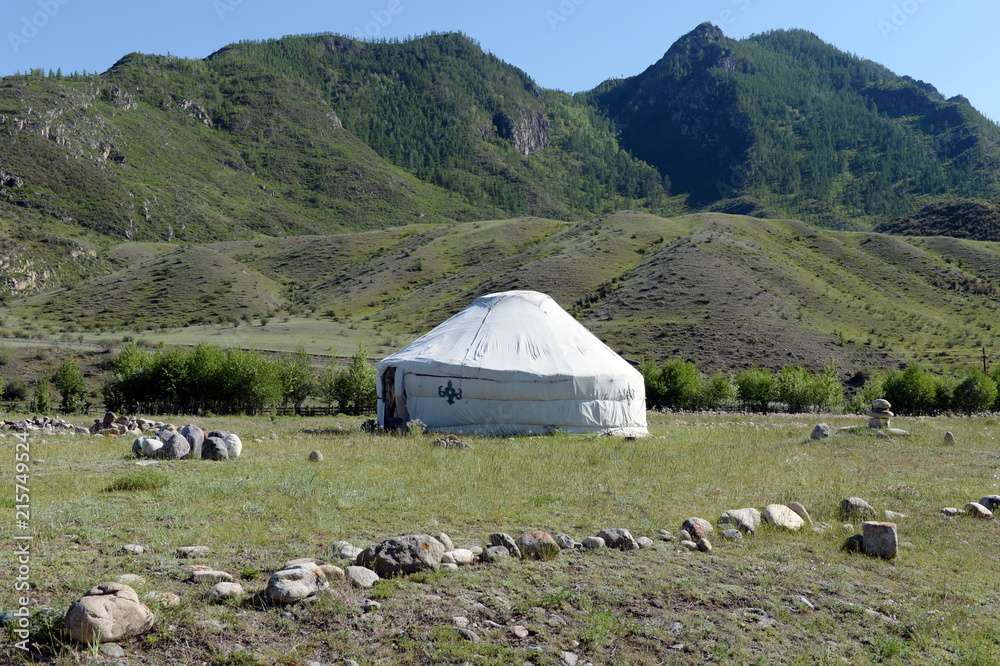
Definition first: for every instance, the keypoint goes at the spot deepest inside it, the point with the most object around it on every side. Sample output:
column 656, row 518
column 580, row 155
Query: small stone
column 460, row 621
column 131, row 579
column 645, row 542
column 505, row 540
column 315, row 456
column 189, row 552
column 538, row 545
column 447, row 559
column 977, row 510
column 449, row 566
column 461, row 556
column 496, row 554
column 361, row 577
column 683, row 535
column 798, row 508
column 112, row 650
column 804, row 603
column 854, row 508
column 731, row 535
column 690, row 545
column 569, row 658
column 781, row 516
column 133, row 549
column 950, row 511
column 949, row 438
column 697, row 528
column 165, row 599
column 555, row 621
column 821, row 431
column 893, row 515
column 704, row 545
column 468, row 635
column 881, row 403
column 370, row 606
column 209, row 575
column 223, row 591
column 593, row 543
column 520, row 631
column 879, row 539
column 445, row 541
column 565, row 541
column 664, row 535
column 854, row 543
column 746, row 520
column 619, row 539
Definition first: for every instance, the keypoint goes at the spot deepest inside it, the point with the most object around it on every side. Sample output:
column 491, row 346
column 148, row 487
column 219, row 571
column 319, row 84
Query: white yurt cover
column 512, row 363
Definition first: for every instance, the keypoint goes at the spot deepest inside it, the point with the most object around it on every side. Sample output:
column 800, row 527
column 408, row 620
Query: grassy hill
column 961, row 218
column 724, row 291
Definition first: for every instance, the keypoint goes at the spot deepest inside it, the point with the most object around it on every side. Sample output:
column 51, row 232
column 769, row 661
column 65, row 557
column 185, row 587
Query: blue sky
column 566, row 44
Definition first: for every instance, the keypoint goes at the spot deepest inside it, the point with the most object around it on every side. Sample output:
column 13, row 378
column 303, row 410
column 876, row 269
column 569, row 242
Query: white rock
column 781, row 516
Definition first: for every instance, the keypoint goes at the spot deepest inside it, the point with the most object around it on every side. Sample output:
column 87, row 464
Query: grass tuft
column 146, row 480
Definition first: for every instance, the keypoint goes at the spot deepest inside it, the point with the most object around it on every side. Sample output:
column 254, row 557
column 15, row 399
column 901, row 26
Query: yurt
column 511, row 363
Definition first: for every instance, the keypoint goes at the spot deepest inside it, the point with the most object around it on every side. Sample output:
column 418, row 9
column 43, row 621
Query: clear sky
column 567, row 44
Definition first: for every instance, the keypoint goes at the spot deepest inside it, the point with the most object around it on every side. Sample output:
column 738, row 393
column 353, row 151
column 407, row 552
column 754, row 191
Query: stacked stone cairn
column 879, row 414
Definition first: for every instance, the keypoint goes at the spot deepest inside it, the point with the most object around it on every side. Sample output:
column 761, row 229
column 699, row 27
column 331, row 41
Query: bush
column 145, row 480
column 794, row 387
column 910, row 391
column 354, row 388
column 676, row 384
column 717, row 390
column 15, row 390
column 69, row 382
column 976, row 393
column 755, row 388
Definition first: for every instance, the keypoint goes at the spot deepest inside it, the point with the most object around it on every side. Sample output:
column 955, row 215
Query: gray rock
column 565, row 541
column 462, row 556
column 855, row 508
column 361, row 576
column 403, row 555
column 295, row 584
column 882, row 404
column 133, row 549
column 593, row 543
column 949, row 438
column 106, row 614
column 223, row 591
column 704, row 545
column 569, row 658
column 112, row 650
column 210, row 575
column 779, row 515
column 664, row 535
column 821, row 431
column 214, row 449
column 495, row 554
column 468, row 634
column 344, row 550
column 879, row 539
column 731, row 534
column 977, row 510
column 991, row 502
column 855, row 543
column 189, row 552
column 538, row 545
column 175, row 448
column 950, row 511
column 445, row 541
column 683, row 535
column 698, row 528
column 690, row 545
column 315, row 456
column 619, row 539
column 645, row 542
column 746, row 520
column 234, row 445
column 505, row 540
column 146, row 446
column 893, row 515
column 195, row 437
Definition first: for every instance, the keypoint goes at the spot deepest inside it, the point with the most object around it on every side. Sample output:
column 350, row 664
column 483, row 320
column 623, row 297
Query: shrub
column 676, row 384
column 794, row 387
column 717, row 390
column 144, row 480
column 15, row 390
column 976, row 393
column 354, row 388
column 755, row 388
column 69, row 382
column 40, row 403
column 912, row 391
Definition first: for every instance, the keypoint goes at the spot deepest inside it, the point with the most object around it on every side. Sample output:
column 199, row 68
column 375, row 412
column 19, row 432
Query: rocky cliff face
column 528, row 131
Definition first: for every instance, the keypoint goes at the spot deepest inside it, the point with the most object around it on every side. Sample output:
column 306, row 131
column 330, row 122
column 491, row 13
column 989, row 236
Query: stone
column 746, row 520
column 112, row 650
column 950, row 511
column 893, row 516
column 565, row 541
column 332, row 571
column 879, row 539
column 798, row 508
column 505, row 540
column 295, row 584
column 593, row 543
column 315, row 456
column 881, row 414
column 569, row 658
column 447, row 559
column 949, row 437
column 779, row 515
column 731, row 534
column 462, row 556
column 704, row 545
column 991, row 502
column 538, row 545
column 210, row 575
column 345, row 551
column 370, row 606
column 195, row 437
column 234, row 445
column 165, row 599
column 977, row 510
column 460, row 621
column 189, row 552
column 882, row 404
column 854, row 543
column 300, row 560
column 361, row 576
column 619, row 539
column 109, row 419
column 495, row 554
column 854, row 508
column 133, row 549
column 664, row 535
column 223, row 591
column 403, row 555
column 445, row 541
column 131, row 579
column 520, row 631
column 683, row 535
column 214, row 449
column 146, row 446
column 108, row 613
column 821, row 431
column 645, row 542
column 468, row 634
column 698, row 528
column 175, row 448
column 690, row 545
column 450, row 566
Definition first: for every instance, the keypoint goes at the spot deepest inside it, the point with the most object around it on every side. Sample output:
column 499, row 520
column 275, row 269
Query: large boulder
column 108, row 613
column 618, row 538
column 175, row 448
column 505, row 540
column 779, row 515
column 148, row 447
column 854, row 508
column 538, row 545
column 296, row 583
column 403, row 555
column 234, row 445
column 214, row 448
column 746, row 520
column 698, row 528
column 195, row 437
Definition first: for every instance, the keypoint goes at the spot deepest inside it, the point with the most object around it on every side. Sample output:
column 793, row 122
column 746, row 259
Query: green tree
column 676, row 384
column 911, row 391
column 976, row 393
column 69, row 382
column 355, row 386
column 716, row 390
column 295, row 371
column 755, row 388
column 794, row 387
column 41, row 403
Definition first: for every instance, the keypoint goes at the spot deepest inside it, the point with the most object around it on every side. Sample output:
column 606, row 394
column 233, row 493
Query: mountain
column 783, row 123
column 959, row 218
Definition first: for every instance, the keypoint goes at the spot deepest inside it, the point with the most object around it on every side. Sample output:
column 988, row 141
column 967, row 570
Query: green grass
column 735, row 604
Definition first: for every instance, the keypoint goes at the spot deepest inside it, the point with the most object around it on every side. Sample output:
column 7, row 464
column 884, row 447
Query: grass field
column 775, row 597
